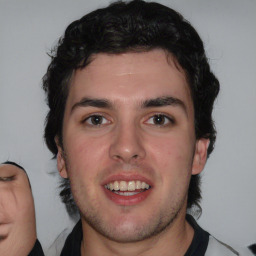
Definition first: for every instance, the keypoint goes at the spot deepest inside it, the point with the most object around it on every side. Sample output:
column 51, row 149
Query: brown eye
column 160, row 120
column 96, row 120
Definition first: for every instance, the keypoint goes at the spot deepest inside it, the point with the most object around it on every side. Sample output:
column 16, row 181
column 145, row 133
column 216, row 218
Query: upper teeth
column 127, row 186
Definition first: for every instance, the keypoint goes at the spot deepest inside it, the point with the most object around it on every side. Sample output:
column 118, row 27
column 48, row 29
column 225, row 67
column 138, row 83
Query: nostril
column 117, row 157
column 126, row 152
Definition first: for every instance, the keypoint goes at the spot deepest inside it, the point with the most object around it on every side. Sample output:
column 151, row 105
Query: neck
column 174, row 240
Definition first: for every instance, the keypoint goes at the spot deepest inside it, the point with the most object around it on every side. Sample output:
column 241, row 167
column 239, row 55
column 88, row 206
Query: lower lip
column 127, row 200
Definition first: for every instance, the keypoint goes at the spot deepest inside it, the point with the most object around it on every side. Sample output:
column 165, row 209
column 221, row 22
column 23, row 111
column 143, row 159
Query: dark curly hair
column 122, row 27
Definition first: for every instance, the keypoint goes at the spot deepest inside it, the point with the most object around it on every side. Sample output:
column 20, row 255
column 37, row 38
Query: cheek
column 83, row 150
column 172, row 153
column 8, row 206
column 28, row 203
column 84, row 163
column 25, row 206
column 173, row 146
column 85, row 158
column 17, row 205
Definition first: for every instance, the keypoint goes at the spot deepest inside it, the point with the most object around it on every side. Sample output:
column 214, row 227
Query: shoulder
column 205, row 244
column 218, row 248
column 247, row 251
column 66, row 239
column 57, row 245
column 73, row 242
column 37, row 250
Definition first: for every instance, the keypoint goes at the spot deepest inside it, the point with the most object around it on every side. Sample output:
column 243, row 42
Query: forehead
column 137, row 75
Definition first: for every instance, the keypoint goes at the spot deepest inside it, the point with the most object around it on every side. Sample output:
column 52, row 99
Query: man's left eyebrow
column 164, row 101
column 86, row 102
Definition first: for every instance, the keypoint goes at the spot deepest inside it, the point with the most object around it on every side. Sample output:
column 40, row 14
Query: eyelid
column 167, row 116
column 103, row 115
column 8, row 178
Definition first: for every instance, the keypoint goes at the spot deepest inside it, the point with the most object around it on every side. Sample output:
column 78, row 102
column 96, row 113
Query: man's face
column 17, row 214
column 129, row 144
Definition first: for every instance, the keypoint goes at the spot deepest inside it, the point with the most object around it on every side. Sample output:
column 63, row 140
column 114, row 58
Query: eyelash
column 102, row 120
column 6, row 179
column 167, row 118
column 86, row 120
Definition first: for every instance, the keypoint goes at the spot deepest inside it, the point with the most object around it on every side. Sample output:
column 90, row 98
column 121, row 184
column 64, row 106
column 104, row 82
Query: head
column 131, row 27
column 17, row 213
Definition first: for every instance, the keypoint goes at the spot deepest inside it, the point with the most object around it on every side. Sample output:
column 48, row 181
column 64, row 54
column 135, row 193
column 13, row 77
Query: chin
column 130, row 229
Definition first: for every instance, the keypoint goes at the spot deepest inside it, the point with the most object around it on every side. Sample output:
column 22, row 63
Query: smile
column 127, row 192
column 127, row 186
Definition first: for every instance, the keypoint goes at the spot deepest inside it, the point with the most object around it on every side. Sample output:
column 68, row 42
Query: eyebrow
column 90, row 102
column 164, row 101
column 156, row 102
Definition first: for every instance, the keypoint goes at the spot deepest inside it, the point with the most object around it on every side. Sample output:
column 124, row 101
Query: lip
column 127, row 200
column 126, row 177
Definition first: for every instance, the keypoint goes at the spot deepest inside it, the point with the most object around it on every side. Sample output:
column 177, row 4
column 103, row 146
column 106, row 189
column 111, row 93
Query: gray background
column 30, row 28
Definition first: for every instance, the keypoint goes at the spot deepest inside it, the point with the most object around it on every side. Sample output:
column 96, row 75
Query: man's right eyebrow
column 91, row 102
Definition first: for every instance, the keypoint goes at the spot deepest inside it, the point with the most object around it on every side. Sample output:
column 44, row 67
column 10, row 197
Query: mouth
column 127, row 188
column 129, row 192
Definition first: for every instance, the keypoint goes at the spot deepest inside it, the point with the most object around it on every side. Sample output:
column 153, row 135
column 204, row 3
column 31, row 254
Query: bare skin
column 129, row 118
column 17, row 213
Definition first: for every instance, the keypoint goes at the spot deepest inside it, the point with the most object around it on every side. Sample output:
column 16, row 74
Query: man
column 131, row 95
column 17, row 213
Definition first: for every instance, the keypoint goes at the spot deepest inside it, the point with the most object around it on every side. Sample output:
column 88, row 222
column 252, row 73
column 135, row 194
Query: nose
column 127, row 144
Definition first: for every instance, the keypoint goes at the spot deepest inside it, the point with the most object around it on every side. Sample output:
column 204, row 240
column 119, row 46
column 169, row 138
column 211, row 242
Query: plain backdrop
column 30, row 28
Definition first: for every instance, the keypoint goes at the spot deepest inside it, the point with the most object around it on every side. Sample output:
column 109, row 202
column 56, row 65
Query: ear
column 200, row 155
column 61, row 165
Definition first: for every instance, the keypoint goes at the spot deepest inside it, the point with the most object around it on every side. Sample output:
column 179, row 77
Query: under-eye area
column 127, row 188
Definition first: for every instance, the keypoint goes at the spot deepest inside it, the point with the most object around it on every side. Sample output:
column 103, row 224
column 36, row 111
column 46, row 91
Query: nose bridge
column 127, row 143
